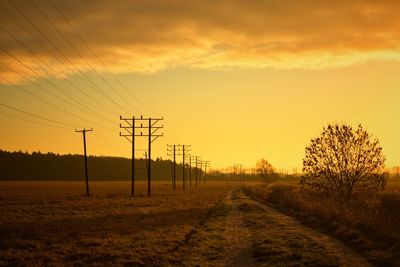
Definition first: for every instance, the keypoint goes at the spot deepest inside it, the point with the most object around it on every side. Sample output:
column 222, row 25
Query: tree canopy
column 344, row 161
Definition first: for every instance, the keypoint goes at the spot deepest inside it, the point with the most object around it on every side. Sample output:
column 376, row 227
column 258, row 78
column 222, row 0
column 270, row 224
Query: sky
column 237, row 80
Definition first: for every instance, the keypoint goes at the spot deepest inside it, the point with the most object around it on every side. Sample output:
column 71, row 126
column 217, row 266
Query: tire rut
column 240, row 231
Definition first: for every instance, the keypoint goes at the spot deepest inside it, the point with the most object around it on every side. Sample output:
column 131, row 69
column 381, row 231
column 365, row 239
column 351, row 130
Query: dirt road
column 242, row 232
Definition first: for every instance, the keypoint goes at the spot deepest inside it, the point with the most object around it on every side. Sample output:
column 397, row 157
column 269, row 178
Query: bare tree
column 264, row 168
column 344, row 161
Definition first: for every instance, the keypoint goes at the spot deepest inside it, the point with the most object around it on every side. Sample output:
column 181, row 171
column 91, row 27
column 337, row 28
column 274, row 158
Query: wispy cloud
column 148, row 36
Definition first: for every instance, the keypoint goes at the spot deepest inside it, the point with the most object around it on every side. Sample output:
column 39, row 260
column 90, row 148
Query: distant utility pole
column 201, row 169
column 238, row 166
column 84, row 131
column 130, row 134
column 171, row 151
column 206, row 164
column 191, row 158
column 194, row 160
column 179, row 150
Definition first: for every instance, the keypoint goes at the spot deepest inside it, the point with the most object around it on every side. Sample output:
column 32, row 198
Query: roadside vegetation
column 370, row 227
column 342, row 191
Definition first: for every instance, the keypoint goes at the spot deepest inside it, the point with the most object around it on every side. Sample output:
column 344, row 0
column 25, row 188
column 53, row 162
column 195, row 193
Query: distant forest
column 50, row 166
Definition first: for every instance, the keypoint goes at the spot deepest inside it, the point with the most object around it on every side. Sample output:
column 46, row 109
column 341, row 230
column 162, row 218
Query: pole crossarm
column 84, row 130
column 134, row 128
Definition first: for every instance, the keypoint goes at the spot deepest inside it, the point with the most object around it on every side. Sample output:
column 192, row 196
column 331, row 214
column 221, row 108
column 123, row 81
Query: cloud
column 149, row 36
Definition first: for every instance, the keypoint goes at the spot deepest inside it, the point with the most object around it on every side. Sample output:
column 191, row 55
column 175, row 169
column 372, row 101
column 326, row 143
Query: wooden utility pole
column 171, row 151
column 238, row 166
column 183, row 167
column 194, row 160
column 206, row 164
column 179, row 150
column 152, row 136
column 190, row 171
column 84, row 131
column 201, row 170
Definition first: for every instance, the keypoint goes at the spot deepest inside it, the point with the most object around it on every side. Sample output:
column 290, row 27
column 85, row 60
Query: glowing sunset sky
column 239, row 80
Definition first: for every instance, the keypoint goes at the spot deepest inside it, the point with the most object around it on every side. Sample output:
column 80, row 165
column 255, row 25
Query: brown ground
column 217, row 225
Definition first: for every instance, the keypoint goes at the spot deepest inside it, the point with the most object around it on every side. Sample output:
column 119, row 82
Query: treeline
column 49, row 166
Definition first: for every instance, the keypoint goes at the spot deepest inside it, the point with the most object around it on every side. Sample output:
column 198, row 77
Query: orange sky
column 237, row 80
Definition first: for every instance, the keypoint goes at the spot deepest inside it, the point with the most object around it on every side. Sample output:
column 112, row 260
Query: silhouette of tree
column 264, row 168
column 344, row 161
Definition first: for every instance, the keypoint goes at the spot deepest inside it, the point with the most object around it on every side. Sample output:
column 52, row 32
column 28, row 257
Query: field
column 368, row 225
column 53, row 223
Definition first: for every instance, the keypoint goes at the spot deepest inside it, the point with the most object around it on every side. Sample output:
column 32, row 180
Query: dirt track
column 242, row 232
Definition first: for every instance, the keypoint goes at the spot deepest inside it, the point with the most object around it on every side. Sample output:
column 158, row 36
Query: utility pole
column 183, row 167
column 206, row 164
column 238, row 166
column 171, row 151
column 185, row 152
column 179, row 150
column 84, row 131
column 190, row 168
column 152, row 136
column 201, row 170
column 196, row 162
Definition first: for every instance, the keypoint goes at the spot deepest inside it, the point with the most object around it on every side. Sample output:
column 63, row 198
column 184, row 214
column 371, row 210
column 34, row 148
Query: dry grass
column 370, row 225
column 53, row 223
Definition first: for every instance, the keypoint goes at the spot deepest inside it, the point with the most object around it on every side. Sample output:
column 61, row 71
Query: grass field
column 53, row 223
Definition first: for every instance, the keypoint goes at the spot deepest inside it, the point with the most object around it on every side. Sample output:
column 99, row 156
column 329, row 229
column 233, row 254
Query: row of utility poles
column 185, row 151
column 139, row 127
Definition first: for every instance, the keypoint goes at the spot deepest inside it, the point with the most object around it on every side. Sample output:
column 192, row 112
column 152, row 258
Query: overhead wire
column 104, row 108
column 35, row 115
column 97, row 57
column 89, row 81
column 101, row 62
column 49, row 92
column 79, row 101
column 80, row 55
column 80, row 106
column 32, row 121
column 71, row 63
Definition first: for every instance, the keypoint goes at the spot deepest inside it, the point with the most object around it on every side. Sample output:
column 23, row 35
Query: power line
column 35, row 115
column 45, row 63
column 101, row 62
column 77, row 52
column 91, row 83
column 53, row 105
column 94, row 113
column 32, row 121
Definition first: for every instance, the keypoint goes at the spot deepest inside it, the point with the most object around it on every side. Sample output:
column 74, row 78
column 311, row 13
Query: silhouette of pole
column 174, row 167
column 133, row 157
column 190, row 171
column 206, row 164
column 197, row 158
column 84, row 131
column 171, row 151
column 152, row 136
column 183, row 166
column 201, row 170
column 149, row 165
column 235, row 167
